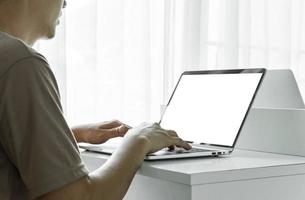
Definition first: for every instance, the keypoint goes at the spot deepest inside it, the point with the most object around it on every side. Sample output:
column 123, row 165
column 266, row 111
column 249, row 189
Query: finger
column 112, row 124
column 115, row 132
column 172, row 133
column 181, row 143
column 122, row 130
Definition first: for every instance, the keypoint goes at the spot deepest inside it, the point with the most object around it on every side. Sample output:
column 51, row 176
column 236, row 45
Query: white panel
column 276, row 188
column 274, row 130
column 279, row 89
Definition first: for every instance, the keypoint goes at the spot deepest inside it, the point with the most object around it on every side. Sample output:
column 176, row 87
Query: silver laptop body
column 207, row 109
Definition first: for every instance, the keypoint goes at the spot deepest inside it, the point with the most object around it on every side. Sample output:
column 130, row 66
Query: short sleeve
column 35, row 136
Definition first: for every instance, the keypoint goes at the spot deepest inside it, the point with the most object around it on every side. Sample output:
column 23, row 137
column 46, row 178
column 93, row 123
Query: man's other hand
column 100, row 132
column 157, row 138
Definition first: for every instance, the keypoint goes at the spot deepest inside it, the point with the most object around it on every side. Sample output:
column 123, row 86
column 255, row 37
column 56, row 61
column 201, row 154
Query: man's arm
column 111, row 181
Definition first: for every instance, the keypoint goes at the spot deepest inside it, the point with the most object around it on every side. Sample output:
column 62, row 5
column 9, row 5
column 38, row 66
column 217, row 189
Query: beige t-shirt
column 38, row 152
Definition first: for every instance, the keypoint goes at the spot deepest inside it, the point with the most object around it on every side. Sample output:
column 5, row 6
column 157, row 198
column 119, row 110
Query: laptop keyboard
column 165, row 151
column 193, row 150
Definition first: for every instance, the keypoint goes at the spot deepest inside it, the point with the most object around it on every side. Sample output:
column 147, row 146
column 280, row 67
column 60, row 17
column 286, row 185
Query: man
column 39, row 157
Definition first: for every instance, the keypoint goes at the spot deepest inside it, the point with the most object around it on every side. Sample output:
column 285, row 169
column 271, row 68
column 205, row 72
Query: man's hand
column 100, row 132
column 157, row 138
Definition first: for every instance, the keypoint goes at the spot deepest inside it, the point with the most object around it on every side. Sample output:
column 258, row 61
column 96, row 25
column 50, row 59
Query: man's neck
column 16, row 25
column 15, row 34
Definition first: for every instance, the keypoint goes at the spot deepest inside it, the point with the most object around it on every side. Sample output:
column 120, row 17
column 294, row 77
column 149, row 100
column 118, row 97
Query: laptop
column 207, row 109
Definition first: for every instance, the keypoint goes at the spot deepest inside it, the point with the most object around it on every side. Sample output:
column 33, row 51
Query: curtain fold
column 120, row 59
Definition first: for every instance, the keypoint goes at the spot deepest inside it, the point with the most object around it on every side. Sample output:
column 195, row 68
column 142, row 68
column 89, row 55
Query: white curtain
column 108, row 59
column 120, row 59
column 213, row 34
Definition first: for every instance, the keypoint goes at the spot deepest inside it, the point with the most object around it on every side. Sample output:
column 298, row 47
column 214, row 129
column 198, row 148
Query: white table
column 244, row 175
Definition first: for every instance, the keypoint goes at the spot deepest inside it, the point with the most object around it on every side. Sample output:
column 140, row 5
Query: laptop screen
column 210, row 106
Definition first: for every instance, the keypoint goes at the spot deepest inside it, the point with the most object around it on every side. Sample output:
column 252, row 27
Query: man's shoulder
column 13, row 51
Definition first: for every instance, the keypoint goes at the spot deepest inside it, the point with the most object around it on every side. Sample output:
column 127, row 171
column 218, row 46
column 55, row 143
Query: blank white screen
column 210, row 108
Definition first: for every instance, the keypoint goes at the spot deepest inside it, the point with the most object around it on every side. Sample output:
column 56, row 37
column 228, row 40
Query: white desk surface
column 240, row 165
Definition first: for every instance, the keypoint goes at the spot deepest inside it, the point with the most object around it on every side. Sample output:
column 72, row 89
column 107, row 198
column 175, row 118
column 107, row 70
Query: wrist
column 140, row 143
column 78, row 134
